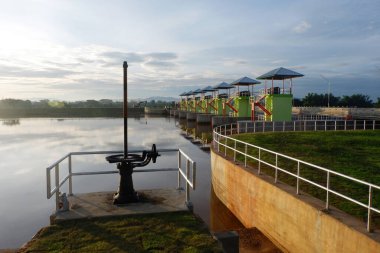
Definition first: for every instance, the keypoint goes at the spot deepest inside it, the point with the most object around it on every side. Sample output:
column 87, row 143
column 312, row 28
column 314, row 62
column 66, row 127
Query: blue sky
column 74, row 50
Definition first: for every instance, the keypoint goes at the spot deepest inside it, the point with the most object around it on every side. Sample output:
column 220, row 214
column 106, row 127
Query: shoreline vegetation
column 15, row 108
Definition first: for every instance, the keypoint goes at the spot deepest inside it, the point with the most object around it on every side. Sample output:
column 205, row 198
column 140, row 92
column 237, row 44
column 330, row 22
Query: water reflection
column 26, row 149
column 198, row 134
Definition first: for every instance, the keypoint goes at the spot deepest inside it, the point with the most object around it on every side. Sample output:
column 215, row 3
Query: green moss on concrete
column 165, row 232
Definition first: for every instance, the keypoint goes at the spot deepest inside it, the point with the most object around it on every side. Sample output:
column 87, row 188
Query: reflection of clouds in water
column 27, row 149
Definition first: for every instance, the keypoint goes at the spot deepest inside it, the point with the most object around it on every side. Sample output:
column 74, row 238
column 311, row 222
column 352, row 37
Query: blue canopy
column 245, row 81
column 208, row 88
column 280, row 74
column 189, row 93
column 197, row 91
column 223, row 86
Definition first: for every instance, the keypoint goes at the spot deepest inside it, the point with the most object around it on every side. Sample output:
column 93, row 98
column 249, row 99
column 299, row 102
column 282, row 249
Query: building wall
column 291, row 223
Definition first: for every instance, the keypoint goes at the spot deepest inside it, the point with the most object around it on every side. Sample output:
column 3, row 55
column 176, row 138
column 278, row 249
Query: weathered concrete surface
column 99, row 204
column 355, row 113
column 155, row 111
column 295, row 223
column 182, row 114
column 191, row 116
column 204, row 118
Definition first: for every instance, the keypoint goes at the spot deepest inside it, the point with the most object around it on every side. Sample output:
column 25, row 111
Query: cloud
column 302, row 27
column 12, row 71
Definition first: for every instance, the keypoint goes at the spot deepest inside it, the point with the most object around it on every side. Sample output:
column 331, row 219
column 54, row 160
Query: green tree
column 356, row 100
column 377, row 104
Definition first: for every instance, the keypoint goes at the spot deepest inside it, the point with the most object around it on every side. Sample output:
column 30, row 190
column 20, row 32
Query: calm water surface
column 28, row 146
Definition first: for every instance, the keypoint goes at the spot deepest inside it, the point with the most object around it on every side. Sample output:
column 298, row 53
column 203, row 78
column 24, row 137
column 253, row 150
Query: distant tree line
column 322, row 100
column 10, row 103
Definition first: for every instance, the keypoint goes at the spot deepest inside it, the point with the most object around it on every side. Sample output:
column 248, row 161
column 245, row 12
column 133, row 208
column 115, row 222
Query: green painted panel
column 219, row 104
column 280, row 105
column 243, row 106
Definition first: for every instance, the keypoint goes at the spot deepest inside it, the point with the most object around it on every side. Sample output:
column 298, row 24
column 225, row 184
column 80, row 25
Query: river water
column 28, row 146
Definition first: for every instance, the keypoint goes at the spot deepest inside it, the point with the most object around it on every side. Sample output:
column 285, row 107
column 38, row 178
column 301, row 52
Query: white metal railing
column 221, row 138
column 304, row 125
column 189, row 174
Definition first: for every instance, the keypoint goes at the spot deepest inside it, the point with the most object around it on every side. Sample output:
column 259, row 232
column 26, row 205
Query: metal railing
column 221, row 138
column 189, row 174
column 303, row 125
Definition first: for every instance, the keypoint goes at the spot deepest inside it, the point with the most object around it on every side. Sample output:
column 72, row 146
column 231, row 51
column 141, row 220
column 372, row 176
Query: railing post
column 369, row 220
column 263, row 126
column 335, row 124
column 354, row 124
column 246, row 127
column 194, row 174
column 57, row 187
column 327, row 190
column 294, row 126
column 48, row 183
column 238, row 127
column 70, row 177
column 259, row 170
column 234, row 150
column 364, row 121
column 345, row 125
column 218, row 142
column 225, row 145
column 304, row 125
column 179, row 168
column 325, row 125
column 272, row 126
column 315, row 125
column 245, row 155
column 283, row 126
column 225, row 130
column 276, row 171
column 187, row 178
column 298, row 177
column 373, row 125
column 254, row 127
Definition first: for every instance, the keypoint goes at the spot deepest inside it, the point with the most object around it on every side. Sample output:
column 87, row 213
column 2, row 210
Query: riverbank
column 53, row 112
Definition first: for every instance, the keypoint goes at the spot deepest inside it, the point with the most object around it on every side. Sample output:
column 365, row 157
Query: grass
column 353, row 153
column 164, row 232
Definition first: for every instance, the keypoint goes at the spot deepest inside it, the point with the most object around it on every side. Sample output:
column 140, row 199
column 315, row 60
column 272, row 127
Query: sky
column 74, row 49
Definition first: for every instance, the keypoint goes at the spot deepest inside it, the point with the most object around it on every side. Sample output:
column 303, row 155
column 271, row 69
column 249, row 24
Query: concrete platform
column 99, row 204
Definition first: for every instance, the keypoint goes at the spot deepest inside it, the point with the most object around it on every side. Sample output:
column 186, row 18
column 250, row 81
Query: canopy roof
column 197, row 91
column 223, row 86
column 188, row 93
column 280, row 74
column 245, row 81
column 208, row 88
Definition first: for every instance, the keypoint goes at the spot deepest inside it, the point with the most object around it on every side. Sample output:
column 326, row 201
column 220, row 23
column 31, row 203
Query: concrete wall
column 155, row 111
column 291, row 221
column 361, row 113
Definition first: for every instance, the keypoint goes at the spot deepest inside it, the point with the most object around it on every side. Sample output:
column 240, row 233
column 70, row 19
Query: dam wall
column 295, row 223
column 355, row 113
